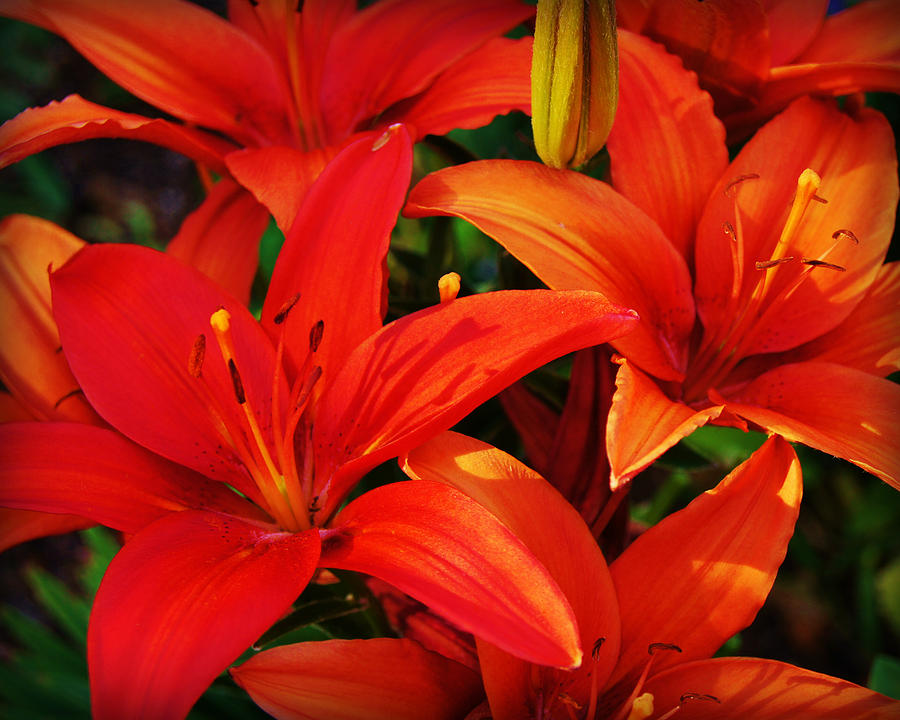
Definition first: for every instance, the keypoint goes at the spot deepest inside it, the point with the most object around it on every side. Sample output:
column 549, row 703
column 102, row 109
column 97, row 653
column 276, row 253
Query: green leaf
column 885, row 676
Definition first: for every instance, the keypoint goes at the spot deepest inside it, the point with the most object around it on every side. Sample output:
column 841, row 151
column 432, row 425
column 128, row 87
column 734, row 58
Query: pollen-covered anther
column 699, row 696
column 195, row 359
column 236, row 382
column 283, row 311
column 819, row 199
column 653, row 648
column 448, row 286
column 731, row 188
column 728, row 229
column 766, row 264
column 595, row 650
column 822, row 263
column 315, row 335
column 844, row 233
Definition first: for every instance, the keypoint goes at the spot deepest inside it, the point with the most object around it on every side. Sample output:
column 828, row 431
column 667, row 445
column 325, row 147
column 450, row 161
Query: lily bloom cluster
column 235, row 451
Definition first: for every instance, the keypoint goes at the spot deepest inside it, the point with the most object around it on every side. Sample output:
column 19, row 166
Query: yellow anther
column 448, row 286
column 642, row 707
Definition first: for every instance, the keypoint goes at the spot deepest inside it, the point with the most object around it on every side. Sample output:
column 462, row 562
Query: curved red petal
column 181, row 601
column 701, row 574
column 221, row 238
column 793, row 26
column 334, row 254
column 380, row 679
column 18, row 526
column 98, row 474
column 129, row 318
column 863, row 32
column 426, row 371
column 441, row 547
column 664, row 122
column 74, row 119
column 764, row 690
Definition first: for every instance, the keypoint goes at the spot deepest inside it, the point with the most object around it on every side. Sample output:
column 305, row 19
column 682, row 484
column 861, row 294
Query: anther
column 448, row 286
column 236, row 382
column 822, row 263
column 838, row 234
column 728, row 229
column 653, row 647
column 71, row 393
column 819, row 199
column 699, row 696
column 731, row 188
column 766, row 264
column 595, row 650
column 315, row 335
column 198, row 352
column 283, row 311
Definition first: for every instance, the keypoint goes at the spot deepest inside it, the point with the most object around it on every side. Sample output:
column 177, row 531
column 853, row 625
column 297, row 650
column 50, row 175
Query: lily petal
column 559, row 539
column 365, row 75
column 334, row 254
column 146, row 310
column 664, row 122
column 722, row 551
column 490, row 81
column 644, row 423
column 441, row 547
column 181, row 601
column 867, row 339
column 854, row 156
column 863, row 32
column 793, row 26
column 528, row 208
column 765, row 690
column 178, row 56
column 18, row 526
column 221, row 238
column 836, row 409
column 74, row 118
column 378, row 679
column 279, row 177
column 98, row 474
column 426, row 371
column 31, row 365
column 535, row 423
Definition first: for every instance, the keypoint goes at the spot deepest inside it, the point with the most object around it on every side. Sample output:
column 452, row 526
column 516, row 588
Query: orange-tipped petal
column 792, row 27
column 279, row 177
column 426, row 371
column 334, row 254
column 576, row 233
column 180, row 57
column 364, row 75
column 441, row 547
column 99, row 475
column 644, row 423
column 557, row 536
column 380, row 679
column 492, row 80
column 664, row 122
column 836, row 409
column 867, row 339
column 864, row 32
column 31, row 366
column 221, row 238
column 701, row 574
column 74, row 119
column 18, row 526
column 854, row 158
column 130, row 319
column 180, row 602
column 764, row 690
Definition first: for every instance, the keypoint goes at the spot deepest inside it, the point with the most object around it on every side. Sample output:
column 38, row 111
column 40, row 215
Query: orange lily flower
column 653, row 617
column 291, row 412
column 756, row 57
column 288, row 86
column 759, row 282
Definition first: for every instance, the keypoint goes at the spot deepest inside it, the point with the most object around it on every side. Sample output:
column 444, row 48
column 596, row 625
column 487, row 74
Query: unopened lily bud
column 574, row 79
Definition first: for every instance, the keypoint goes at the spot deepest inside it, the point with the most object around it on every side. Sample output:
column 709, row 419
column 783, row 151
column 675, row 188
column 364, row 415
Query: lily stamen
column 684, row 698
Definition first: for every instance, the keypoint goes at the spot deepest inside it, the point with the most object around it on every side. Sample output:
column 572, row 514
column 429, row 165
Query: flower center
column 270, row 460
column 758, row 296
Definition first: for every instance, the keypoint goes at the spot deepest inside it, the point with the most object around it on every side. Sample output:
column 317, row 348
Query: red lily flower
column 653, row 617
column 756, row 57
column 289, row 86
column 789, row 291
column 290, row 412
